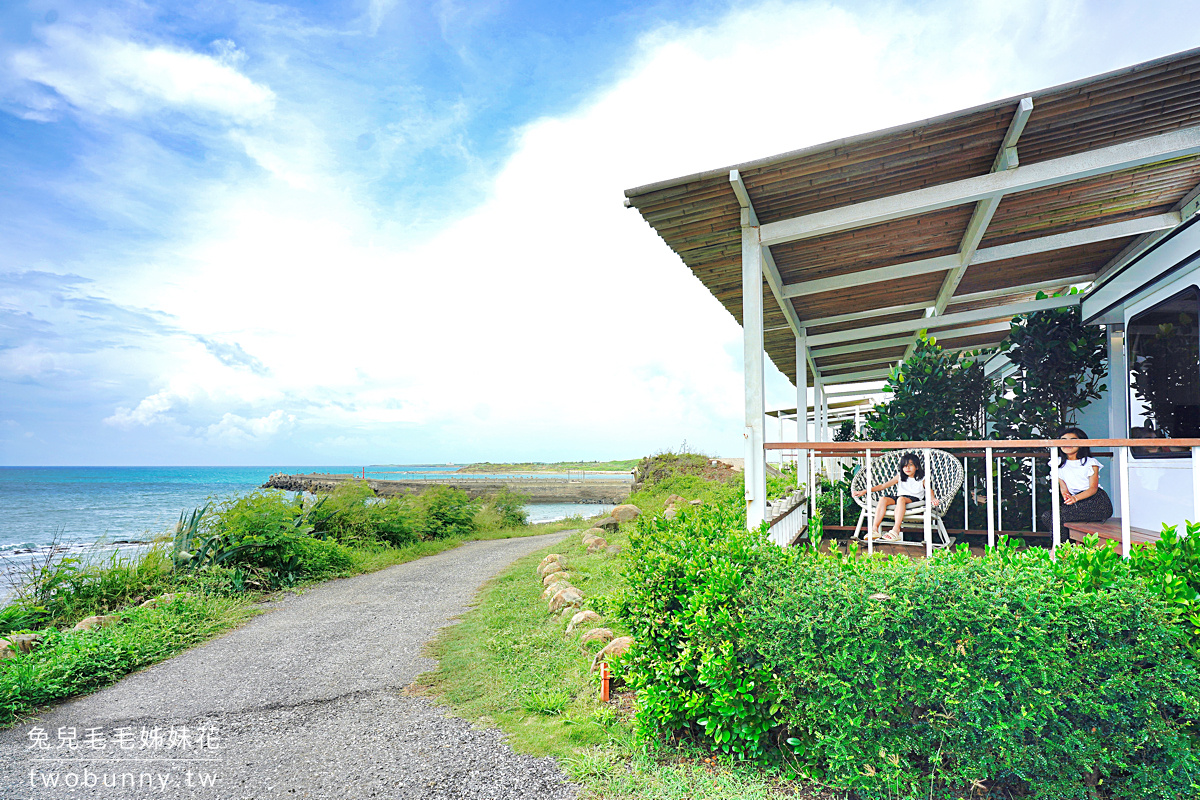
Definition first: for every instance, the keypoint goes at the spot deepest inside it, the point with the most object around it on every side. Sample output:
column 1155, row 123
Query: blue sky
column 384, row 231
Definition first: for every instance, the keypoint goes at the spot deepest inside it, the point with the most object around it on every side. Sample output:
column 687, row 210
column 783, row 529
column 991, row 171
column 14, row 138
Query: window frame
column 1194, row 290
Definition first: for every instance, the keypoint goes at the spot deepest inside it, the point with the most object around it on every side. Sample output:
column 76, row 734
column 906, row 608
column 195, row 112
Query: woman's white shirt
column 911, row 487
column 1077, row 474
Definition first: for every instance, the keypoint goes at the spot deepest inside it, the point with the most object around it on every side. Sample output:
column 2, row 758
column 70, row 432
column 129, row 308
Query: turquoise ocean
column 87, row 505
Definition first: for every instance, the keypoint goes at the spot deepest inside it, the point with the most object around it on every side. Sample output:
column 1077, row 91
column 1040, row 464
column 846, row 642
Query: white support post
column 812, row 486
column 802, row 406
column 818, row 428
column 999, row 496
column 870, row 508
column 1118, row 394
column 925, row 460
column 1123, row 461
column 1195, row 486
column 1033, row 492
column 990, row 501
column 752, row 352
column 825, row 433
column 1055, row 499
column 966, row 495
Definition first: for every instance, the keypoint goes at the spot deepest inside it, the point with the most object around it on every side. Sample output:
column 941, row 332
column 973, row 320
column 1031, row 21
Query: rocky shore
column 548, row 489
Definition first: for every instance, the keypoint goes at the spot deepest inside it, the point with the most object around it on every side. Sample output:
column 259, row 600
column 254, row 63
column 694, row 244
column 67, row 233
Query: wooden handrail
column 996, row 444
column 998, row 452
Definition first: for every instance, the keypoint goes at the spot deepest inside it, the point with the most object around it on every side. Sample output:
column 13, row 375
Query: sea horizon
column 83, row 504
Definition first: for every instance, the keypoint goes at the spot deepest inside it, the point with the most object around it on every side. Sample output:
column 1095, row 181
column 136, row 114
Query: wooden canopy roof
column 958, row 220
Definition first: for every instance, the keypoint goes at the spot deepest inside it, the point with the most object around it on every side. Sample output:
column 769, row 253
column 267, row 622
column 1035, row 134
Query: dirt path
column 302, row 702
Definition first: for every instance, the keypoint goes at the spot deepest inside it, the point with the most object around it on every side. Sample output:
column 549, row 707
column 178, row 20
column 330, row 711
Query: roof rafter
column 955, row 262
column 1161, row 147
column 945, row 320
column 1006, row 159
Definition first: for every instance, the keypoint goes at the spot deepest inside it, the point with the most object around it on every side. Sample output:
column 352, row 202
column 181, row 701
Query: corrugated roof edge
column 862, row 137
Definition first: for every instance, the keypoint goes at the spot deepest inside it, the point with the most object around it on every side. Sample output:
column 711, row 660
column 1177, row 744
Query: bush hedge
column 893, row 678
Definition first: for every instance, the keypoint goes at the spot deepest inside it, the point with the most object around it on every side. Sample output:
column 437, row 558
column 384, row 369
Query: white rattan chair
column 945, row 479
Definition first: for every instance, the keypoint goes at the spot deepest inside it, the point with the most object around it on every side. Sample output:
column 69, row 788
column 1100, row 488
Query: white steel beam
column 1061, row 241
column 869, row 314
column 977, row 330
column 1026, row 288
column 1043, row 244
column 985, row 209
column 857, row 377
column 880, row 344
column 869, row 362
column 857, row 347
column 1186, row 208
column 944, row 321
column 876, row 275
column 1149, row 150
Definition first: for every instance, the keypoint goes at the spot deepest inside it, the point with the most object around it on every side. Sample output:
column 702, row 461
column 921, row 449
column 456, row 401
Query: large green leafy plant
column 1060, row 368
column 934, row 395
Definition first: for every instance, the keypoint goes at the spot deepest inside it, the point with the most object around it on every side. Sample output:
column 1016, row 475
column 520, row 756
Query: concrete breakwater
column 551, row 489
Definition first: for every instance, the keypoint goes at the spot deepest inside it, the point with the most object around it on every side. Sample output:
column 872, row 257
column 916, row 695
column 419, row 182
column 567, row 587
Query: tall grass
column 274, row 544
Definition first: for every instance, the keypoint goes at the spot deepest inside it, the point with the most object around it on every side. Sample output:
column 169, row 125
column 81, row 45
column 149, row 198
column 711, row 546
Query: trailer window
column 1164, row 373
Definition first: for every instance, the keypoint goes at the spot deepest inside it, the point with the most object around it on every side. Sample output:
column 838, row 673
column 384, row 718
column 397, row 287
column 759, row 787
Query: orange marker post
column 605, row 677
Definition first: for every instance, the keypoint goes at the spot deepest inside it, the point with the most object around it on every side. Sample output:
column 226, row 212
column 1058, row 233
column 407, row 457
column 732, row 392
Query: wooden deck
column 1110, row 529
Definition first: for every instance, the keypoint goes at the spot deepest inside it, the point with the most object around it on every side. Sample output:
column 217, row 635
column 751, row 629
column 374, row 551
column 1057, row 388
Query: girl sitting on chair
column 911, row 480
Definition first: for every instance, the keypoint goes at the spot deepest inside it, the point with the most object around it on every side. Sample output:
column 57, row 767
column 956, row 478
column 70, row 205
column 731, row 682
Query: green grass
column 510, row 664
column 69, row 663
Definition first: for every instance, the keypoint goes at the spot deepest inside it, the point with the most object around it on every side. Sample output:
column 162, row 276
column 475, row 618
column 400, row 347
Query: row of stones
column 11, row 645
column 563, row 597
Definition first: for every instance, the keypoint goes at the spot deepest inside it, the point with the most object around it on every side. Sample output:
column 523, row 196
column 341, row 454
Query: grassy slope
column 510, row 664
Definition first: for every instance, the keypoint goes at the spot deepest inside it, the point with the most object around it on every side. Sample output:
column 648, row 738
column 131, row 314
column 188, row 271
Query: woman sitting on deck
column 911, row 479
column 1079, row 483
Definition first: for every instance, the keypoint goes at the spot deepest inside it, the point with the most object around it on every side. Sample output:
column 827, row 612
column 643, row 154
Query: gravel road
column 304, row 701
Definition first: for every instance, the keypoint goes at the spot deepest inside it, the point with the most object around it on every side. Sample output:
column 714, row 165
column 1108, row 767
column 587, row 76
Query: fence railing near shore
column 460, row 477
column 990, row 449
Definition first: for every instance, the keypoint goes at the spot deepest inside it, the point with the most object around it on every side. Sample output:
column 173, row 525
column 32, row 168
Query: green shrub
column 443, row 511
column 393, row 521
column 320, row 558
column 267, row 535
column 510, row 507
column 958, row 669
column 1065, row 678
column 694, row 667
column 258, row 529
column 345, row 513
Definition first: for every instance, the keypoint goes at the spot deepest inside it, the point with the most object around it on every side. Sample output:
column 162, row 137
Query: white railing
column 992, row 451
column 786, row 518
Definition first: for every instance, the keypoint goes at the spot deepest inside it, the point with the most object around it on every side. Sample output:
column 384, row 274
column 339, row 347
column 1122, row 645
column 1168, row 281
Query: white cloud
column 152, row 409
column 106, row 74
column 376, row 11
column 549, row 320
column 236, row 429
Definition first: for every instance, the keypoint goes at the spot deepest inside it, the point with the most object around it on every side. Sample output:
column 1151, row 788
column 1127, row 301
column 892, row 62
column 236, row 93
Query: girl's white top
column 1077, row 474
column 911, row 487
